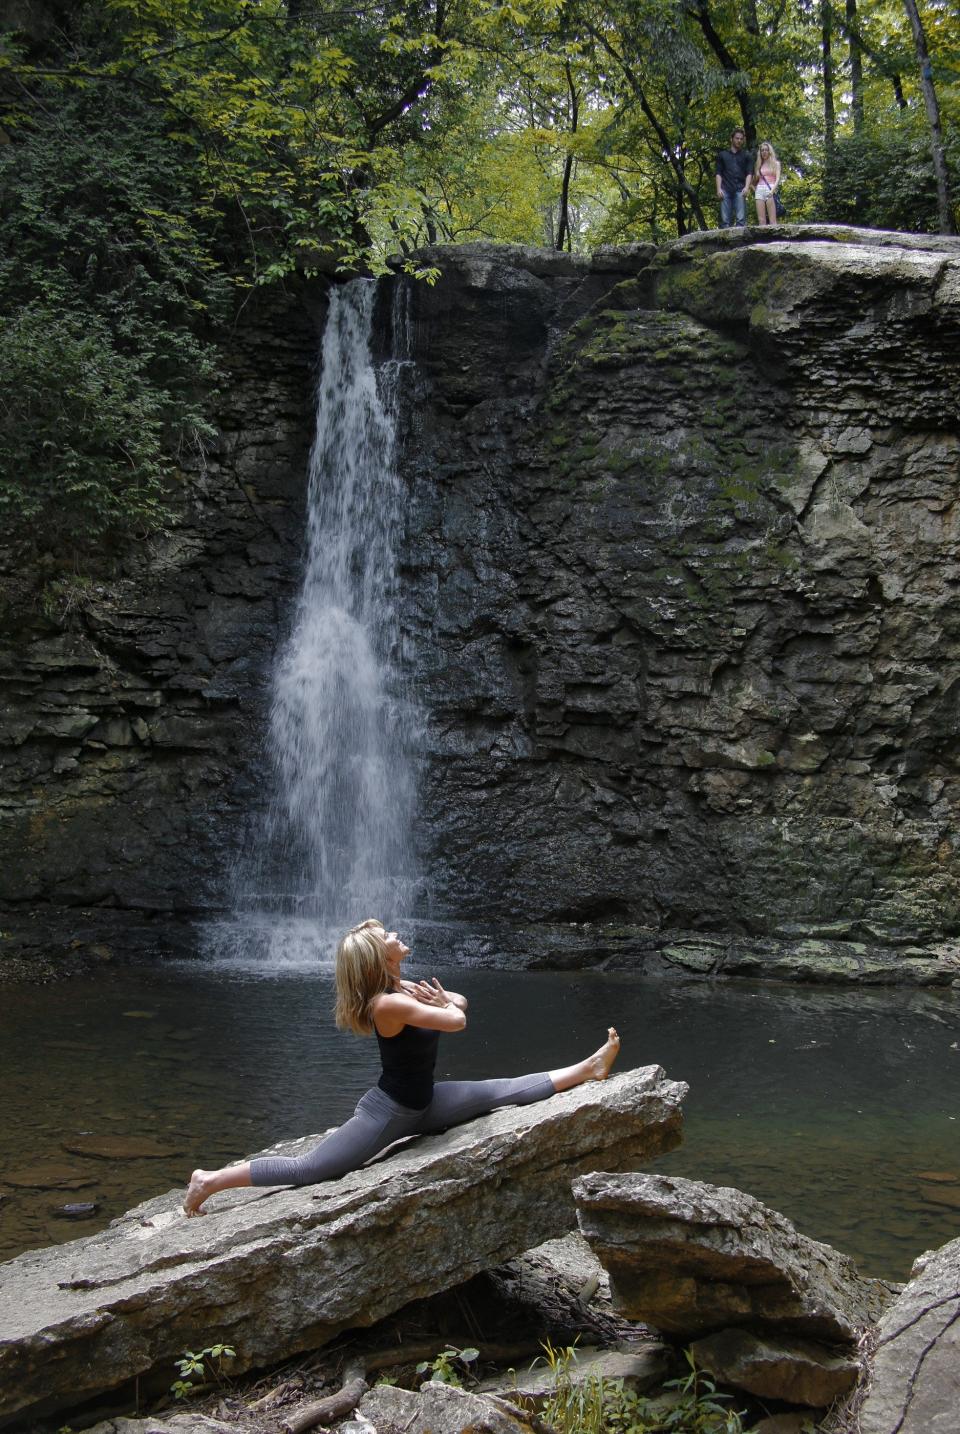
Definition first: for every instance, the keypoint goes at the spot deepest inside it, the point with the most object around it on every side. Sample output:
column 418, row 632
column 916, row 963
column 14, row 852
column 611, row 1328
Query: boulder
column 437, row 1409
column 914, row 1381
column 691, row 1258
column 636, row 1366
column 189, row 1422
column 792, row 1422
column 798, row 1371
column 273, row 1273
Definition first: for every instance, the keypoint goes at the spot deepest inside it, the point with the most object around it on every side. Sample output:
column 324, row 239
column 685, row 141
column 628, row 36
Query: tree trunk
column 944, row 207
column 856, row 98
column 856, row 68
column 829, row 112
column 563, row 227
column 684, row 189
column 702, row 15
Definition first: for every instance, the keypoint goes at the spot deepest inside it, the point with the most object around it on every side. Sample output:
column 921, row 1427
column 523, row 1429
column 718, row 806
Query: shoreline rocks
column 913, row 1383
column 39, row 947
column 276, row 1272
column 691, row 1259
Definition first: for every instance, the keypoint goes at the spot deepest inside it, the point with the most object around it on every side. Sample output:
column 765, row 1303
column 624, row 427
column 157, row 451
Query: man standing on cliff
column 734, row 169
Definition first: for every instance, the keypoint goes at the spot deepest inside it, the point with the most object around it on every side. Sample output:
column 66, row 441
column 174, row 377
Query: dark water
column 832, row 1107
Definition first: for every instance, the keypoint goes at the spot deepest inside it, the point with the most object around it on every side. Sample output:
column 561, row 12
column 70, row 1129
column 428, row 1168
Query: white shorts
column 763, row 191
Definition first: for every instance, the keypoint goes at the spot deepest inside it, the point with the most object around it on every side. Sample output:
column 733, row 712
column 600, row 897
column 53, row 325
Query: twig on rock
column 526, row 1416
column 345, row 1400
column 357, row 1372
column 271, row 1396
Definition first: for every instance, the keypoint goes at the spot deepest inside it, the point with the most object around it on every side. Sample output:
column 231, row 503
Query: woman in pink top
column 766, row 181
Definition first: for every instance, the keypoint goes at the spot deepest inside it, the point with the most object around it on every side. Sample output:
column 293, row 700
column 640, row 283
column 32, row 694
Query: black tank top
column 408, row 1060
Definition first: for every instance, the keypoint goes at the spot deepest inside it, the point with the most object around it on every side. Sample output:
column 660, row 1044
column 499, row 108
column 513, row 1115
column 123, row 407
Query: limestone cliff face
column 690, row 567
column 680, row 601
column 132, row 716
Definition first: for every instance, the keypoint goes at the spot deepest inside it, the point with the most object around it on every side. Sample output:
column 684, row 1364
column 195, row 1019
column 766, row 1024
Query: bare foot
column 197, row 1192
column 604, row 1058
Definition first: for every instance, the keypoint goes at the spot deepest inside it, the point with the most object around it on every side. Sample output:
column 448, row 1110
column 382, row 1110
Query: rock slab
column 692, row 1258
column 274, row 1273
column 914, row 1383
column 437, row 1409
column 799, row 1371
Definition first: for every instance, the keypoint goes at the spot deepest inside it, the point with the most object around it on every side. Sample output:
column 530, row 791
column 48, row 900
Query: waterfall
column 342, row 728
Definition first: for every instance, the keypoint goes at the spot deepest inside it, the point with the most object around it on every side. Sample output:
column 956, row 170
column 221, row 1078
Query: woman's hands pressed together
column 431, row 993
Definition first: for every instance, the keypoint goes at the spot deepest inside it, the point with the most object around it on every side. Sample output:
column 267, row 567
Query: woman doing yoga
column 407, row 1018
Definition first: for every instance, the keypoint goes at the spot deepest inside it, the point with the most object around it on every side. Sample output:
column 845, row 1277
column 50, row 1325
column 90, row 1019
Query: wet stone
column 84, row 1210
column 119, row 1147
column 948, row 1195
column 48, row 1177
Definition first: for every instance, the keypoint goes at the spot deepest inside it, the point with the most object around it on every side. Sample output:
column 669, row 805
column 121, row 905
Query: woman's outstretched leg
column 459, row 1100
column 204, row 1183
column 595, row 1067
column 377, row 1122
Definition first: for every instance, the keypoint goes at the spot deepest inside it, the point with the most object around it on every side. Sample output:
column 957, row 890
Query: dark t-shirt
column 733, row 169
column 408, row 1060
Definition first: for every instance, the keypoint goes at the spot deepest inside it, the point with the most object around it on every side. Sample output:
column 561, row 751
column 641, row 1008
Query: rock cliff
column 689, row 561
column 679, row 576
column 133, row 704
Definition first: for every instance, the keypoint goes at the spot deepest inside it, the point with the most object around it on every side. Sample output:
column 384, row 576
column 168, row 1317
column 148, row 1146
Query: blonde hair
column 771, row 157
column 361, row 974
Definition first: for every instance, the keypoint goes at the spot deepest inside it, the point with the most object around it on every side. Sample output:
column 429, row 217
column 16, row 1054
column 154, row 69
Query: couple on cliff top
column 737, row 172
column 408, row 1018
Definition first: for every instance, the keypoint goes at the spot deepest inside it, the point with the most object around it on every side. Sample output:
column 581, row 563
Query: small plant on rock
column 207, row 1365
column 443, row 1369
column 594, row 1405
column 576, row 1406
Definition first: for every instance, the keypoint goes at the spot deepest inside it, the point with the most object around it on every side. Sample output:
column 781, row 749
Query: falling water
column 342, row 728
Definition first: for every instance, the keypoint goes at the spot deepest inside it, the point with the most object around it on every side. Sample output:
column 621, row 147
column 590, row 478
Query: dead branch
column 357, row 1372
column 334, row 1406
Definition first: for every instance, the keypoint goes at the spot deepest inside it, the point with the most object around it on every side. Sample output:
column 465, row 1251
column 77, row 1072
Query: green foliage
column 882, row 178
column 80, row 430
column 205, row 1366
column 160, row 158
column 106, row 286
column 691, row 1404
column 449, row 1365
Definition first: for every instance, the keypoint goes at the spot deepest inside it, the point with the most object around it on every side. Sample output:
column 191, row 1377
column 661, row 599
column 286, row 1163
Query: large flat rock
column 276, row 1272
column 915, row 1374
column 692, row 1258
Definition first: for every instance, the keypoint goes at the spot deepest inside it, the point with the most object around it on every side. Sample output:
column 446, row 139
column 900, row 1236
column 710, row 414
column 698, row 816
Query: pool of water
column 841, row 1109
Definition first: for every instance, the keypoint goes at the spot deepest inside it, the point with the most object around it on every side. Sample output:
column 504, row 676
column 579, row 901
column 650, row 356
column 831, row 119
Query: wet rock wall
column 684, row 583
column 679, row 577
column 132, row 704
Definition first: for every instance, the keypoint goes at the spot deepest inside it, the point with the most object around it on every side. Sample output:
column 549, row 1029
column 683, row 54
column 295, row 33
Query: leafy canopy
column 163, row 157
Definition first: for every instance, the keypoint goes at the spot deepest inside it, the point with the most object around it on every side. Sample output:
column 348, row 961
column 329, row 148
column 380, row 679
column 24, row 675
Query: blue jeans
column 729, row 203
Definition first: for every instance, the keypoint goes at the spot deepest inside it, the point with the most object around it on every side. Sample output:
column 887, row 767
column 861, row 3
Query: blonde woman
column 407, row 1018
column 766, row 181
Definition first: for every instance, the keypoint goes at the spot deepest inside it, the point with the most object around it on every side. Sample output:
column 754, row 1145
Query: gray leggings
column 378, row 1121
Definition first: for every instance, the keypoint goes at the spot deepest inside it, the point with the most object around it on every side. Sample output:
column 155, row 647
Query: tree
column 944, row 206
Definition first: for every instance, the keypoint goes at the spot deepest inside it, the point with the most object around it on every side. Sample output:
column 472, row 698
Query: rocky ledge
column 278, row 1272
column 913, row 1386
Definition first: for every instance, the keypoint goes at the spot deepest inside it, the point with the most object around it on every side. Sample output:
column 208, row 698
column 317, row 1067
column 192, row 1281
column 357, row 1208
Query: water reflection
column 834, row 1107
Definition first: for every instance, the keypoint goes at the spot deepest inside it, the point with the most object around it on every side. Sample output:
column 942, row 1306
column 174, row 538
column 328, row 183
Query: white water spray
column 342, row 729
